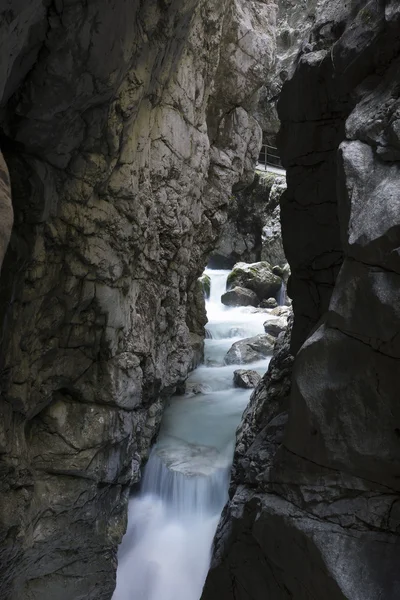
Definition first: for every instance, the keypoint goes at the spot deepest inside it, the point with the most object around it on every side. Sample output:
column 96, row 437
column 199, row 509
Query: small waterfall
column 218, row 285
column 282, row 295
column 166, row 551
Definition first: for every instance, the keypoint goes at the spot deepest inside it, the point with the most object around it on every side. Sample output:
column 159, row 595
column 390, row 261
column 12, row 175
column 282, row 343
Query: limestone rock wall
column 294, row 22
column 252, row 231
column 314, row 510
column 123, row 136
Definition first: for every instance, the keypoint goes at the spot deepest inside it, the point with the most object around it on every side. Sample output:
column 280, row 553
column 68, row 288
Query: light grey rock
column 271, row 237
column 275, row 325
column 250, row 350
column 294, row 21
column 281, row 311
column 239, row 296
column 257, row 277
column 246, row 379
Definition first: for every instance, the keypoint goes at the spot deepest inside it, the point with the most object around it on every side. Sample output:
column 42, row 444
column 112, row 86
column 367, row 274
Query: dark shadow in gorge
column 314, row 502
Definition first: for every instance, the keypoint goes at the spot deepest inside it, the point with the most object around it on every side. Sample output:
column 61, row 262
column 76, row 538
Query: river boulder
column 268, row 303
column 257, row 277
column 282, row 311
column 250, row 350
column 275, row 325
column 246, row 379
column 239, row 296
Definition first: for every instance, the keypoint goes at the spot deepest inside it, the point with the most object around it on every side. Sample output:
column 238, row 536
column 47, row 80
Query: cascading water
column 166, row 551
column 282, row 295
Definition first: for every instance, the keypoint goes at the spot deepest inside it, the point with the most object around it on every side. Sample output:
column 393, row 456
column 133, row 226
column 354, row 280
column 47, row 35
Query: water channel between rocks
column 166, row 551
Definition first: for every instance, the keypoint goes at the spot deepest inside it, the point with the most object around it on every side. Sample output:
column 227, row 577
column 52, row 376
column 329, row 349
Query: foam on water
column 166, row 551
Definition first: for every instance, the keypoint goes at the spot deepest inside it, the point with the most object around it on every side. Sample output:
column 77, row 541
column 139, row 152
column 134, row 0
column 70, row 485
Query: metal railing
column 269, row 157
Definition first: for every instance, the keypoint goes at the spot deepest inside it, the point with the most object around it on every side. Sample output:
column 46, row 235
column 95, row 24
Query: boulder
column 257, row 277
column 250, row 350
column 281, row 311
column 246, row 379
column 268, row 303
column 275, row 325
column 239, row 296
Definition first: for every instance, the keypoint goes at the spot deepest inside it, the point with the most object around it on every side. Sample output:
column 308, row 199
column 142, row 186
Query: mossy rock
column 257, row 277
column 206, row 285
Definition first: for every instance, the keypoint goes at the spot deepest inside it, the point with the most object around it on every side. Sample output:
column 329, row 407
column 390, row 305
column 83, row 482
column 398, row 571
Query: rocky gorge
column 123, row 137
column 314, row 501
column 129, row 137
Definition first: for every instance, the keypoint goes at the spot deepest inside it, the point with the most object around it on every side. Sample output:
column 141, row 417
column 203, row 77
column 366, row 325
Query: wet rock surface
column 122, row 151
column 246, row 379
column 315, row 496
column 275, row 325
column 250, row 350
column 257, row 277
column 268, row 303
column 239, row 296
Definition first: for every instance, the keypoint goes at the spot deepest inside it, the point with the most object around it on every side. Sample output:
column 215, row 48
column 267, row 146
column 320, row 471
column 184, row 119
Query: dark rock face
column 246, row 379
column 315, row 502
column 123, row 136
column 252, row 231
column 250, row 350
column 6, row 210
column 239, row 296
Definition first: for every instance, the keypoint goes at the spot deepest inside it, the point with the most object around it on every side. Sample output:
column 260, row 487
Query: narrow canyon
column 199, row 299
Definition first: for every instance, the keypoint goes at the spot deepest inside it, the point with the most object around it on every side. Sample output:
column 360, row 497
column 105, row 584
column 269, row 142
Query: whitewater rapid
column 165, row 554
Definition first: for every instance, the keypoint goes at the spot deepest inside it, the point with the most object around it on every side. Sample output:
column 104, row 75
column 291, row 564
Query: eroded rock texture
column 252, row 229
column 315, row 503
column 294, row 21
column 124, row 126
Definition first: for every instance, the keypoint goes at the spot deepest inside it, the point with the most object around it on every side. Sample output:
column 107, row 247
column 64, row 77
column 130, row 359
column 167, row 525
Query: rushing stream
column 165, row 553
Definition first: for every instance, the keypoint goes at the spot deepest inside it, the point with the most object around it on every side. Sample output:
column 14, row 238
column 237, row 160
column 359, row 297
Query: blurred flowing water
column 165, row 554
